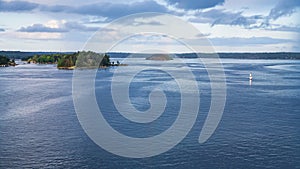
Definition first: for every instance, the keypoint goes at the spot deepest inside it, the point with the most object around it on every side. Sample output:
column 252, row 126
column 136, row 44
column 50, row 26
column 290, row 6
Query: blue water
column 259, row 128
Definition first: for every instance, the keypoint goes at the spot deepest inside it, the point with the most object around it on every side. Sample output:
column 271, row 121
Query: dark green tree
column 4, row 60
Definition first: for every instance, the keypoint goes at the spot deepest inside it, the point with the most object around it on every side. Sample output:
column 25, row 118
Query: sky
column 229, row 25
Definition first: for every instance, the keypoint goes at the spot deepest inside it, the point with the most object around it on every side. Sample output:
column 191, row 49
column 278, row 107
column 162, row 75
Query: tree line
column 84, row 59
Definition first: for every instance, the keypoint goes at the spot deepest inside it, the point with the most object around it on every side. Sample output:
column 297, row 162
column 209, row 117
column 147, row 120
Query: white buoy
column 250, row 76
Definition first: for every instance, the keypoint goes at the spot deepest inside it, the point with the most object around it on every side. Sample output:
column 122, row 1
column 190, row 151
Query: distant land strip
column 266, row 55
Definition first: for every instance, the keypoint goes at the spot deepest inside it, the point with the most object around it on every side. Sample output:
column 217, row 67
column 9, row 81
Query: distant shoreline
column 234, row 55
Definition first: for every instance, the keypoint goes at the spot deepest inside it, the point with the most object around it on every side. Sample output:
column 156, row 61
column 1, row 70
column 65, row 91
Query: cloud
column 219, row 16
column 284, row 8
column 94, row 19
column 17, row 6
column 148, row 19
column 103, row 9
column 286, row 29
column 201, row 35
column 139, row 23
column 41, row 28
column 222, row 17
column 118, row 10
column 79, row 26
column 109, row 10
column 57, row 27
column 2, row 30
column 195, row 4
column 236, row 41
column 55, row 8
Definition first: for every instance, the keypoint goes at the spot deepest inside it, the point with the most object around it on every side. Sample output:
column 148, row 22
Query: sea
column 259, row 125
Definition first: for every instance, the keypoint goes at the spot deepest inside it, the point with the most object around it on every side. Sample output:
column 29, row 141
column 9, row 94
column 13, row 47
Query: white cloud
column 54, row 26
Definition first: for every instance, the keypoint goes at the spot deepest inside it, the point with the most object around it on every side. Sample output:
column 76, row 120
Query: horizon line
column 238, row 52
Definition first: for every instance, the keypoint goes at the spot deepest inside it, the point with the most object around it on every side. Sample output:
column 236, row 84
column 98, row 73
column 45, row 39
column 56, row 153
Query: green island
column 69, row 61
column 5, row 62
